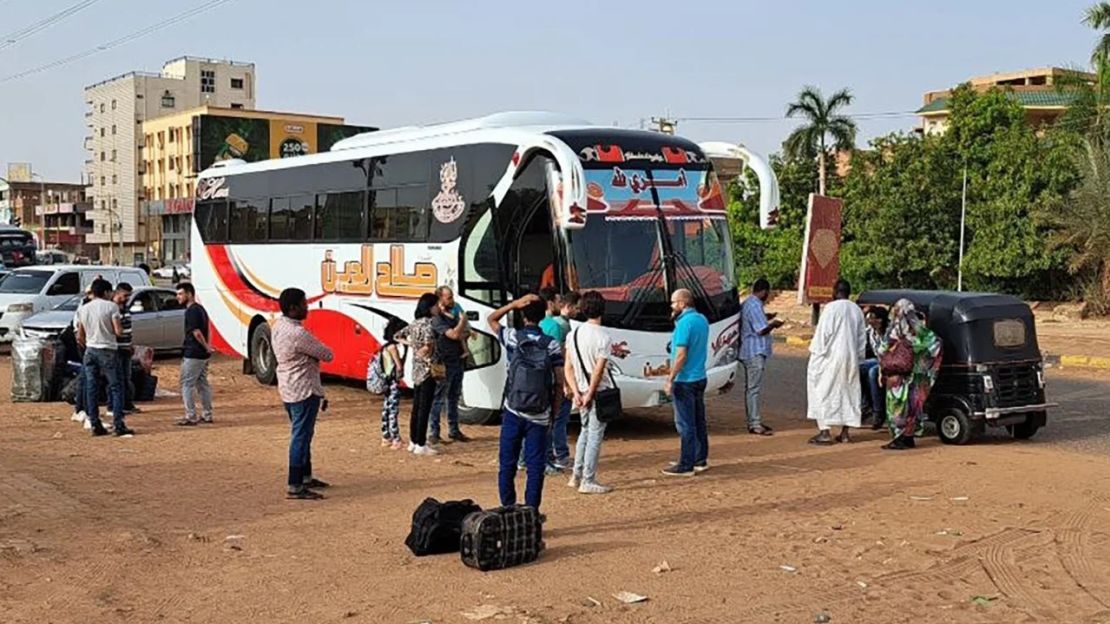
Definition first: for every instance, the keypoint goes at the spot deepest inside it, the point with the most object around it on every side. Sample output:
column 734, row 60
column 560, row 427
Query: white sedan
column 167, row 272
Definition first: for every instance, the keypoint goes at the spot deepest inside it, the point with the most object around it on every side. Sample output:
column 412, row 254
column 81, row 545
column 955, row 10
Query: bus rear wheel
column 262, row 355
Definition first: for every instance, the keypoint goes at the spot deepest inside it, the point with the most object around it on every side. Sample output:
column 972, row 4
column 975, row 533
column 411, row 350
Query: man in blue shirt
column 755, row 347
column 686, row 383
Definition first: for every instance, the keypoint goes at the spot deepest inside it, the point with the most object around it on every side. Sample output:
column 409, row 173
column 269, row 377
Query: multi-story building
column 1037, row 90
column 177, row 147
column 59, row 222
column 117, row 108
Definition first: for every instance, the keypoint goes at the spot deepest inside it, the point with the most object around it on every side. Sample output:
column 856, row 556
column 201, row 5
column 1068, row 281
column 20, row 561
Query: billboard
column 19, row 172
column 221, row 137
column 821, row 250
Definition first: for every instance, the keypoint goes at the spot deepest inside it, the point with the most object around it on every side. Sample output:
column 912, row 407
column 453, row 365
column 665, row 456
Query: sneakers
column 206, row 421
column 551, row 470
column 303, row 494
column 593, row 487
column 79, row 416
column 124, row 432
column 574, row 481
column 316, row 484
column 412, row 447
column 185, row 422
column 702, row 467
column 98, row 431
column 424, row 450
column 459, row 436
column 676, row 471
column 86, row 423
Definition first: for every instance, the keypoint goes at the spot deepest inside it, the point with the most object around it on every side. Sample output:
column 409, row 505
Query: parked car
column 157, row 319
column 992, row 371
column 51, row 256
column 28, row 290
column 167, row 271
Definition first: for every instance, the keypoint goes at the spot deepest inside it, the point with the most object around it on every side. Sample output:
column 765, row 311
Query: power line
column 12, row 38
column 138, row 34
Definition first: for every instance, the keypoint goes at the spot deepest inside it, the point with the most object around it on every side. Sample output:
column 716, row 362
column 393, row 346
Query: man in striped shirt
column 299, row 354
column 125, row 347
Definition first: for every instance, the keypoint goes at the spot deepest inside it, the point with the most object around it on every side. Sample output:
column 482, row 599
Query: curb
column 1051, row 360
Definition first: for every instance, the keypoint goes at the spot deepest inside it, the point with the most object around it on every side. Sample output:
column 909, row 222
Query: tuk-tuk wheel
column 1024, row 431
column 954, row 427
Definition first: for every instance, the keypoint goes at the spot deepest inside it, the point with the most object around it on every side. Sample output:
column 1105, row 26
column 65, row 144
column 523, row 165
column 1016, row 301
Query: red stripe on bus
column 236, row 283
column 352, row 344
column 219, row 343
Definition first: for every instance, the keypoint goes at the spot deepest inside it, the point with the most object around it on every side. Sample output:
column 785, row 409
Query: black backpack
column 531, row 379
column 436, row 526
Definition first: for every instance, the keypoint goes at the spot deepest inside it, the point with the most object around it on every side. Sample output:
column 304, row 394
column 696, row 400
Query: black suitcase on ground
column 501, row 538
column 436, row 526
column 147, row 390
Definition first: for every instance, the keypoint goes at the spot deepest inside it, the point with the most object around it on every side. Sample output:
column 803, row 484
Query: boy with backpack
column 533, row 386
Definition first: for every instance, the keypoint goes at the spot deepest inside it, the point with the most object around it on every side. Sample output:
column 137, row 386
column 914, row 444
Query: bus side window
column 481, row 272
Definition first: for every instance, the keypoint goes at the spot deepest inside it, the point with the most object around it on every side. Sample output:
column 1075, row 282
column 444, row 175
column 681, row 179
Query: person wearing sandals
column 906, row 394
column 756, row 326
column 298, row 354
column 585, row 372
column 838, row 346
column 393, row 363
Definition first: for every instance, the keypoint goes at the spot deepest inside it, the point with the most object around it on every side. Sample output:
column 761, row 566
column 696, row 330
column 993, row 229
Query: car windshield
column 69, row 305
column 25, row 282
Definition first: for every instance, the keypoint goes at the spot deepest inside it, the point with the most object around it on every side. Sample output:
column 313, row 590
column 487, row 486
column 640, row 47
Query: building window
column 236, row 83
column 115, row 179
column 236, row 105
column 171, row 135
column 101, row 180
column 102, row 132
column 171, row 163
column 102, row 107
column 113, row 155
column 113, row 105
column 113, row 129
column 207, row 81
column 103, row 206
column 168, row 100
column 188, row 162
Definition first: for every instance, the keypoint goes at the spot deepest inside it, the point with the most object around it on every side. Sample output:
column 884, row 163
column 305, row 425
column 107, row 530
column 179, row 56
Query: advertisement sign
column 821, row 250
column 19, row 172
column 219, row 137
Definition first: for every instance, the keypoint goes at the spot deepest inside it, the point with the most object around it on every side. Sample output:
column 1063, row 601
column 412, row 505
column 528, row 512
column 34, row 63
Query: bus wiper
column 696, row 286
column 640, row 297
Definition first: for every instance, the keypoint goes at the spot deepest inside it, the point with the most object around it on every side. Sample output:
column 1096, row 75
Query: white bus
column 493, row 207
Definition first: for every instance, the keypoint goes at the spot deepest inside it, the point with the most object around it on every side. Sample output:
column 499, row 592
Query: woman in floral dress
column 906, row 394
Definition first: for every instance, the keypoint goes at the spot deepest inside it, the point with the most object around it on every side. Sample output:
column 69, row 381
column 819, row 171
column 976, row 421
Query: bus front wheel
column 477, row 415
column 262, row 355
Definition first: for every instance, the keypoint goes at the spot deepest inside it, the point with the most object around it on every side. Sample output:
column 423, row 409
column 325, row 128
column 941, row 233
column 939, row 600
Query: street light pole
column 963, row 219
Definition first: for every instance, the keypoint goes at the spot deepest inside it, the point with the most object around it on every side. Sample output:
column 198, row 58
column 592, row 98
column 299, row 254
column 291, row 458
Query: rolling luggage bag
column 501, row 538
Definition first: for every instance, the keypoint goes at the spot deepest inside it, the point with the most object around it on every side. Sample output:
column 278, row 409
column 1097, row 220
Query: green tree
column 1097, row 16
column 824, row 127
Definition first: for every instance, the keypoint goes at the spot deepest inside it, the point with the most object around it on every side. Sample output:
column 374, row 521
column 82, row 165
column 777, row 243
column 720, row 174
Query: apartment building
column 117, row 108
column 1036, row 90
column 58, row 220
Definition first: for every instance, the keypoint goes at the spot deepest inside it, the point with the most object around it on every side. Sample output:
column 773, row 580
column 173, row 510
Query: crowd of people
column 871, row 363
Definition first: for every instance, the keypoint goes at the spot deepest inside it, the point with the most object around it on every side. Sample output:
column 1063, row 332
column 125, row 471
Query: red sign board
column 178, row 206
column 821, row 253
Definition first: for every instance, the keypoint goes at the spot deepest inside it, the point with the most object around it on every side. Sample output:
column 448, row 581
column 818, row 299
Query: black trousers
column 423, row 396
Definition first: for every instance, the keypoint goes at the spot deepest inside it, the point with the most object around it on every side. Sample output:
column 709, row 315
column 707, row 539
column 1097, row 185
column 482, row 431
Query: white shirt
column 595, row 344
column 96, row 317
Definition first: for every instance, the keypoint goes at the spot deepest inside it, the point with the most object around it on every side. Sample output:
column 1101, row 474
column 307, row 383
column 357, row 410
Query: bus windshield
column 619, row 251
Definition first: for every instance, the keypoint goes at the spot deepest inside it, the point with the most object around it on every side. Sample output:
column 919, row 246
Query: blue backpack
column 531, row 379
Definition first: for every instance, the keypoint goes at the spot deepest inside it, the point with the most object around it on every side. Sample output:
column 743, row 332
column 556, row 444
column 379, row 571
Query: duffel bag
column 501, row 538
column 436, row 526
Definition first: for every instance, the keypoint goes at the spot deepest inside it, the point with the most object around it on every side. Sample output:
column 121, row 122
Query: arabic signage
column 223, row 137
column 821, row 253
column 387, row 278
column 629, row 194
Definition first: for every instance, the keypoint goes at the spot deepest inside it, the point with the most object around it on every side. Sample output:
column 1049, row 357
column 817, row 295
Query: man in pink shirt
column 299, row 354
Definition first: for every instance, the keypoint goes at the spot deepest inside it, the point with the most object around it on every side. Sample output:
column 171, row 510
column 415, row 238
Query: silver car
column 157, row 319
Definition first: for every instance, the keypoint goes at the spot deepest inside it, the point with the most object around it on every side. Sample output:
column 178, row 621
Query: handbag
column 898, row 359
column 607, row 401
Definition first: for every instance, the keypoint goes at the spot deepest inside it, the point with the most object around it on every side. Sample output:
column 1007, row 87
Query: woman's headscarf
column 905, row 324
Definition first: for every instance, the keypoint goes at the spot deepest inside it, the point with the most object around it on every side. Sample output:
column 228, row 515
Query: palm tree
column 1098, row 17
column 822, row 122
column 1082, row 224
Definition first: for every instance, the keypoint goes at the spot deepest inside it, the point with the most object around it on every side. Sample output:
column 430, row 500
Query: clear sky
column 390, row 63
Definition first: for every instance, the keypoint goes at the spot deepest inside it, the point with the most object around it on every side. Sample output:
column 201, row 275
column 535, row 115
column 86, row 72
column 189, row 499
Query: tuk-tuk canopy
column 977, row 328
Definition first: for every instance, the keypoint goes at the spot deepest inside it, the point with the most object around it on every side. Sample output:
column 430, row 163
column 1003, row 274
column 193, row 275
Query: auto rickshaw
column 992, row 371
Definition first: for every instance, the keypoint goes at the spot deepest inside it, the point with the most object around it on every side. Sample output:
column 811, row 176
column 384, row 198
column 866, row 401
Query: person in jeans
column 120, row 297
column 874, row 397
column 586, row 372
column 686, row 383
column 420, row 338
column 393, row 365
column 451, row 334
column 298, row 355
column 558, row 327
column 755, row 348
column 98, row 329
column 535, row 384
column 194, row 358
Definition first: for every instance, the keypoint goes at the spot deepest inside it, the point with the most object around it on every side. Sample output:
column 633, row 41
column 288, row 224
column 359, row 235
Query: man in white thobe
column 833, row 389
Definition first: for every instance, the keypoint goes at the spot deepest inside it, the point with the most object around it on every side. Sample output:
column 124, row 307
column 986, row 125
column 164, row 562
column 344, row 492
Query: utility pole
column 963, row 219
column 664, row 125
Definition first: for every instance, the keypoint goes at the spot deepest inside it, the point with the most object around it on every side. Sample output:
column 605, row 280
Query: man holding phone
column 756, row 326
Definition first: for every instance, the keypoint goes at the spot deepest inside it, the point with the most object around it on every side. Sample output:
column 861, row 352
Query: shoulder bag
column 607, row 401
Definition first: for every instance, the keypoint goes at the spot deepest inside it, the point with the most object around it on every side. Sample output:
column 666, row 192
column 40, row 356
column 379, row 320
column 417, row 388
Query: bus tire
column 263, row 360
column 477, row 415
column 954, row 427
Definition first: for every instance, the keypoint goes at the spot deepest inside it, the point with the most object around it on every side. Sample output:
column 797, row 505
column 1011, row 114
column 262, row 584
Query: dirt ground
column 190, row 525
